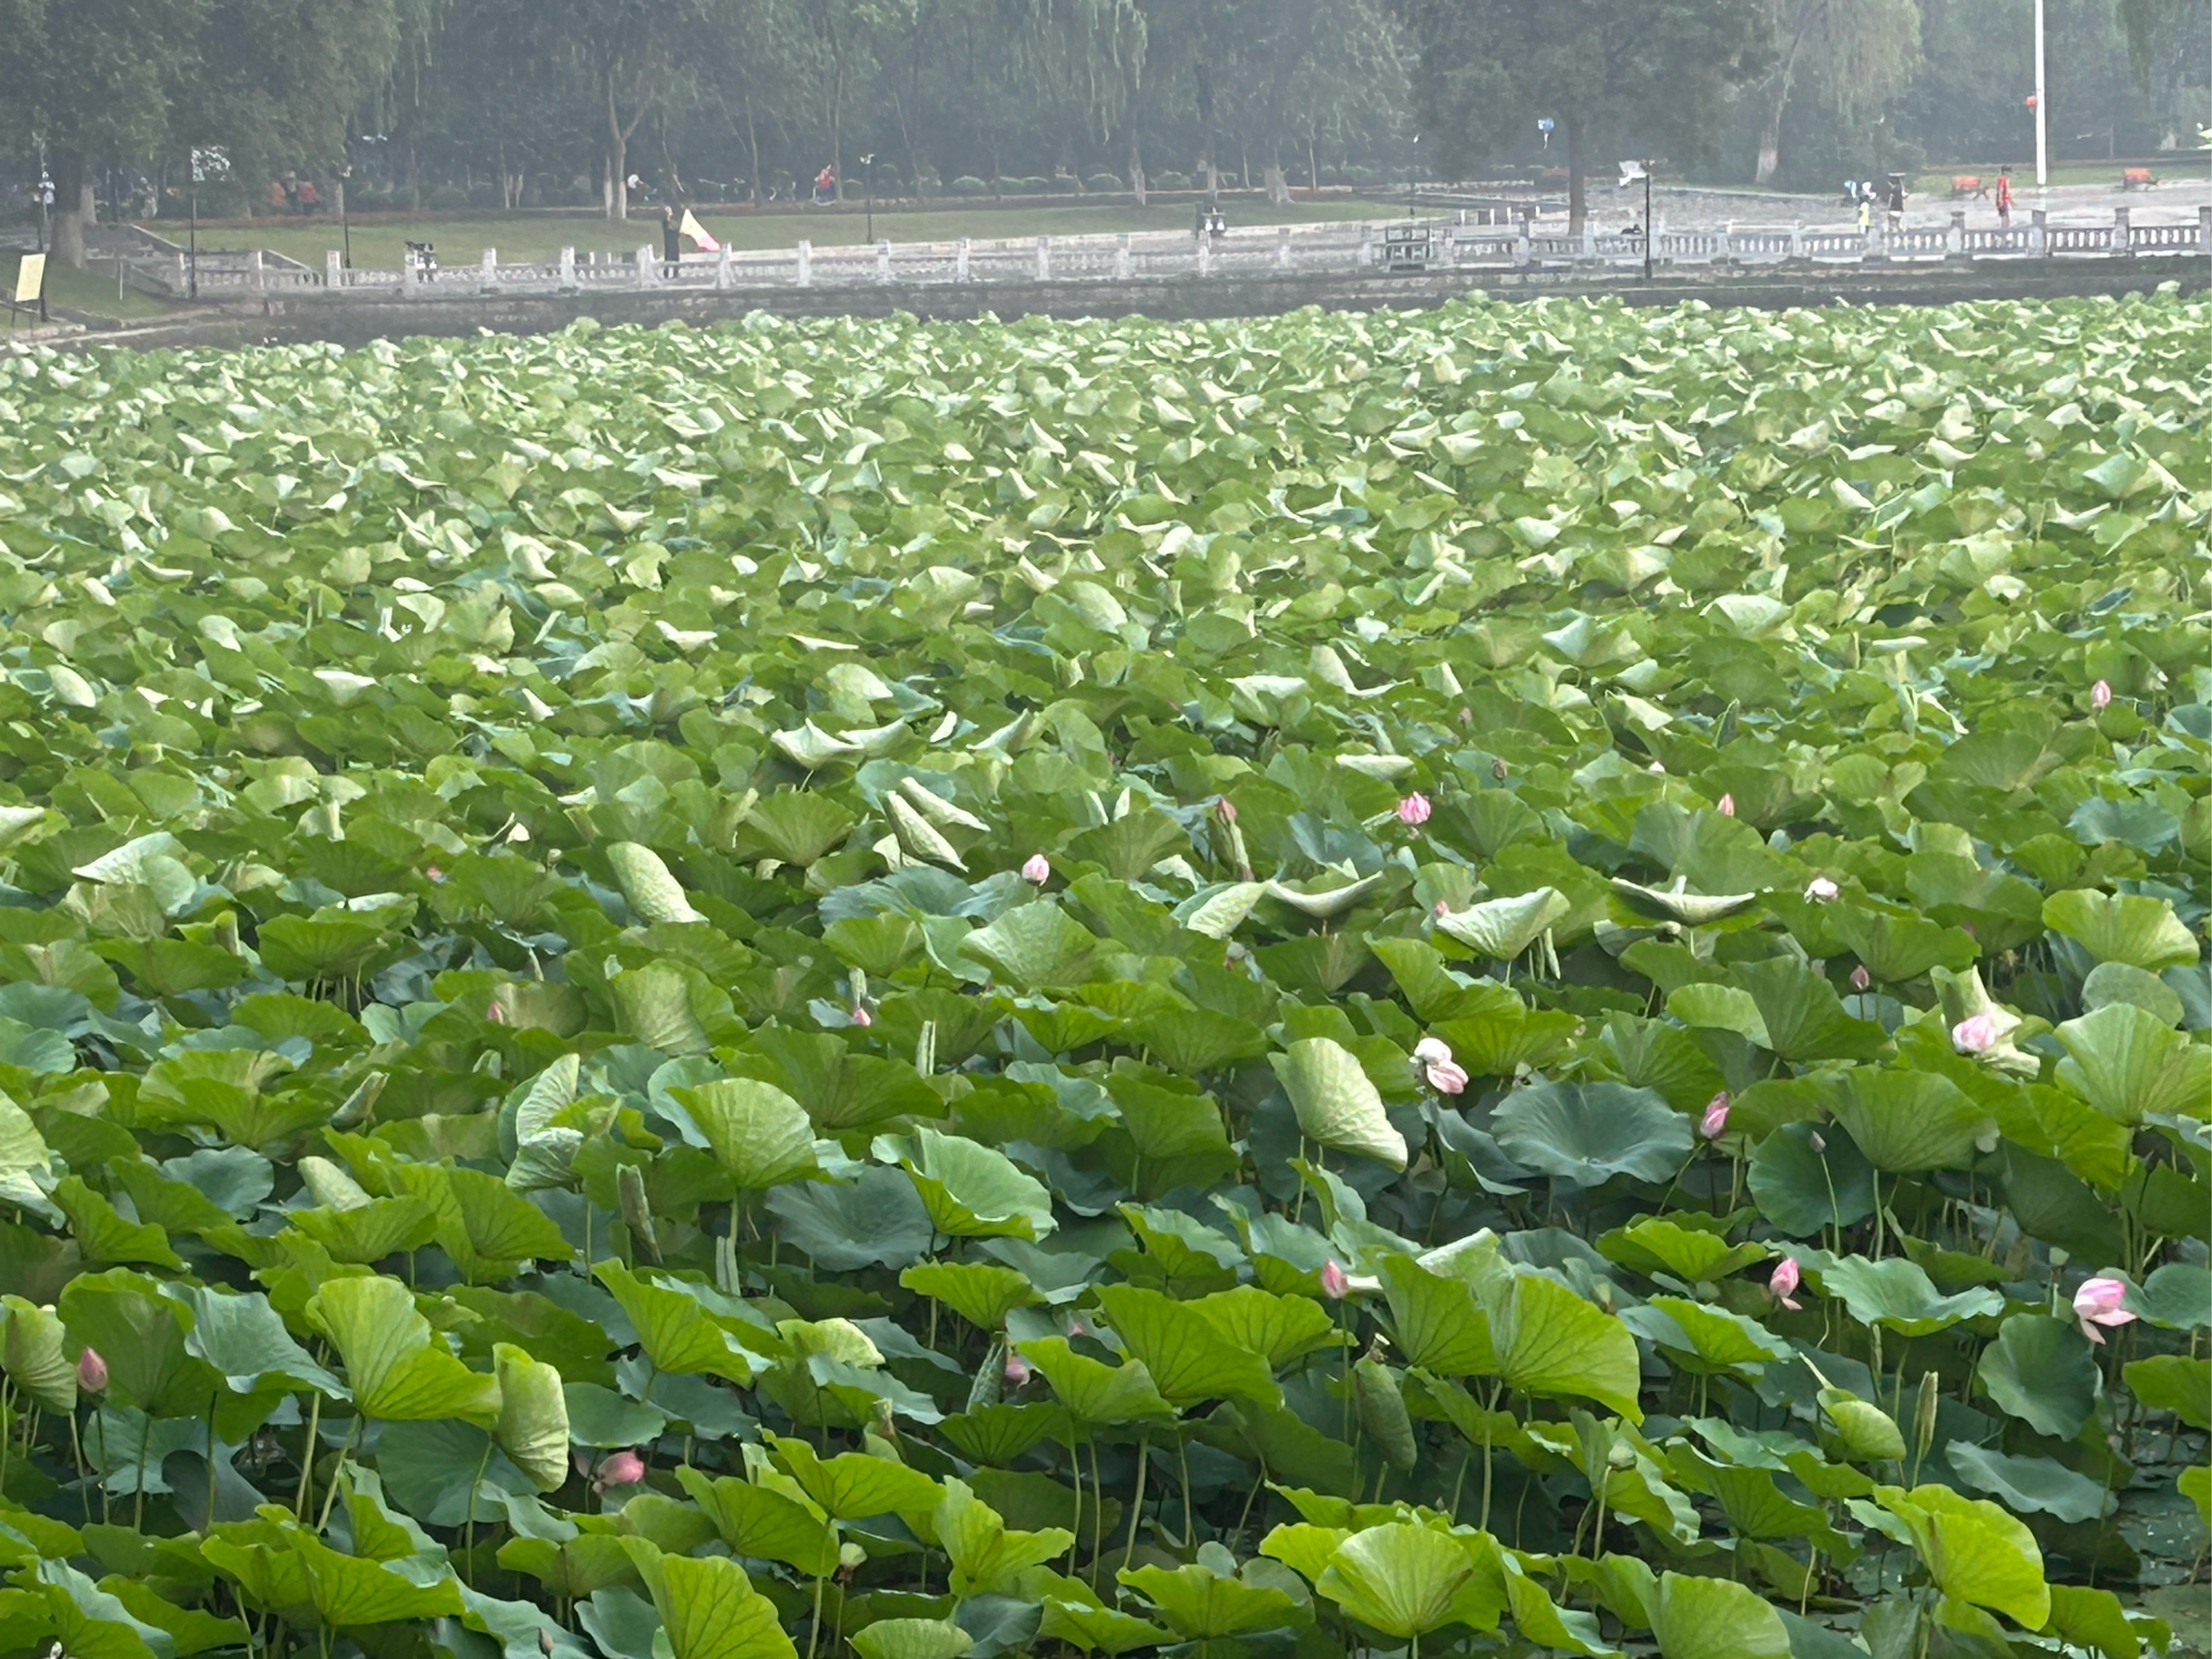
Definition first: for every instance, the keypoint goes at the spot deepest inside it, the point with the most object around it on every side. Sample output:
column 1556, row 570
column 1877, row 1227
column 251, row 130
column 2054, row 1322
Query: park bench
column 2137, row 177
column 1968, row 184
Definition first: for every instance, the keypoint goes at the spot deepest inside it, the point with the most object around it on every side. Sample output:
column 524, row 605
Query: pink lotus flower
column 1715, row 1121
column 2101, row 695
column 1224, row 809
column 1860, row 978
column 1335, row 1283
column 91, row 1371
column 1821, row 890
column 624, row 1469
column 1413, row 811
column 1038, row 869
column 862, row 1018
column 2098, row 1303
column 1975, row 1035
column 1725, row 806
column 1784, row 1281
column 1444, row 1075
column 1017, row 1370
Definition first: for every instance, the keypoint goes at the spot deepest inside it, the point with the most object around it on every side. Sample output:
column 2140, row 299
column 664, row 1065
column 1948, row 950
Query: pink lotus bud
column 1017, row 1370
column 1445, row 1075
column 1334, row 1281
column 1860, row 978
column 1714, row 1120
column 1442, row 907
column 2098, row 1303
column 1784, row 1281
column 1413, row 811
column 862, row 1018
column 1077, row 1327
column 624, row 1469
column 1038, row 869
column 91, row 1371
column 1821, row 890
column 2101, row 695
column 495, row 1014
column 1725, row 806
column 1976, row 1035
column 1224, row 809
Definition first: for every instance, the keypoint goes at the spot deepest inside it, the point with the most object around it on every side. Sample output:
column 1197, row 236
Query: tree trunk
column 1577, row 194
column 1279, row 188
column 752, row 146
column 1136, row 169
column 73, row 207
column 618, row 160
column 1313, row 171
column 1769, row 146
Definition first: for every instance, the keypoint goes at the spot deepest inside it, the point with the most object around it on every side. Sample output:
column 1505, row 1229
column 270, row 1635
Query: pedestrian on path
column 2004, row 199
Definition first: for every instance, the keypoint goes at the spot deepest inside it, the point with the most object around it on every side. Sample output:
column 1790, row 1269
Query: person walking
column 1896, row 202
column 2004, row 199
column 1866, row 208
column 671, row 242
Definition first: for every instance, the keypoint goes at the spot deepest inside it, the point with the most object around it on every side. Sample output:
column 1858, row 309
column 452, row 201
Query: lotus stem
column 1137, row 1505
column 307, row 1456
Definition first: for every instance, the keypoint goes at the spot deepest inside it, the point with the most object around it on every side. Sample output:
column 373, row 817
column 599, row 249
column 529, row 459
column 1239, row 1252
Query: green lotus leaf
column 1502, row 928
column 1182, row 1352
column 708, row 1607
column 398, row 1368
column 912, row 1639
column 970, row 1190
column 1700, row 1618
column 1589, row 1133
column 1896, row 1292
column 1975, row 1551
column 1202, row 1604
column 1905, row 1122
column 2044, row 1371
column 987, row 1557
column 2142, row 933
column 1337, row 1105
column 759, row 1134
column 2040, row 1485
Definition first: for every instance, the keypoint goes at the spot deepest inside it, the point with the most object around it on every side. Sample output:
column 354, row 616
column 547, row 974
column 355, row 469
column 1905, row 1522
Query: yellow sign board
column 30, row 277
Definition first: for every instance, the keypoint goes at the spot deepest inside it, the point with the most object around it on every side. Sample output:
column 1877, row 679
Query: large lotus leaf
column 348, row 1592
column 2173, row 1382
column 2142, row 933
column 35, row 1352
column 972, row 1191
column 2129, row 1064
column 1549, row 1342
column 398, row 1368
column 1278, row 1328
column 1803, row 1017
column 1034, row 947
column 1898, row 1293
column 1894, row 948
column 674, row 1329
column 1975, row 1551
column 1906, row 1122
column 2043, row 1370
column 1588, row 1133
column 2178, row 1296
column 1405, row 1580
column 708, row 1607
column 244, row 1339
column 759, row 1134
column 1099, row 1629
column 1185, row 1353
column 912, row 1639
column 1703, row 1618
column 1702, row 1339
column 2039, row 1485
column 989, row 1556
column 763, row 1522
column 1202, row 1604
column 533, row 1417
column 852, row 1485
column 488, row 1228
column 1438, row 1322
column 981, row 1292
column 1094, row 1392
column 121, row 1315
column 1502, row 928
column 1805, row 1179
column 1337, row 1104
column 1690, row 1254
column 876, row 1217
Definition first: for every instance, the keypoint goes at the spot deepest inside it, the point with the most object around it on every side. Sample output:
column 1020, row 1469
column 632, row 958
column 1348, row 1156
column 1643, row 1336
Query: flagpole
column 2042, row 111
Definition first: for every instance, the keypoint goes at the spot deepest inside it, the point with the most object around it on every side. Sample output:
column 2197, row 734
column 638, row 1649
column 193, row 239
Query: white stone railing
column 1344, row 248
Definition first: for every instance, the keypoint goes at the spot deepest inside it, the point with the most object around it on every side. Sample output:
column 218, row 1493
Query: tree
column 90, row 79
column 1864, row 50
column 1657, row 71
column 635, row 52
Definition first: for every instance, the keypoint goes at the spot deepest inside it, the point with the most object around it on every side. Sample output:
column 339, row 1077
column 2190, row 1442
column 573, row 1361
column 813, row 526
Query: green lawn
column 461, row 240
column 90, row 292
column 1936, row 179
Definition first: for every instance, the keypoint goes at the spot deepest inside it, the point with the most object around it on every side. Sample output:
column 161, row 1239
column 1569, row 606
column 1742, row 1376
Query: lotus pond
column 1521, row 979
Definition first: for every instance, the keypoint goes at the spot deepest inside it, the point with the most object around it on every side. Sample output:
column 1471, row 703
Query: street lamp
column 869, row 162
column 1413, row 178
column 2042, row 113
column 345, row 220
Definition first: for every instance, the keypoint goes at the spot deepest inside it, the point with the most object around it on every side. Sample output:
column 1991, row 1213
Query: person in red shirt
column 2004, row 199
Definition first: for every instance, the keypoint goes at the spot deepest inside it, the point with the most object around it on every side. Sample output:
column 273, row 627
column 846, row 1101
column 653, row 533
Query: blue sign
column 1544, row 124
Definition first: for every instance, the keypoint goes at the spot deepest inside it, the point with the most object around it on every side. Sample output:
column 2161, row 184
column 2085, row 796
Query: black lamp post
column 868, row 161
column 345, row 215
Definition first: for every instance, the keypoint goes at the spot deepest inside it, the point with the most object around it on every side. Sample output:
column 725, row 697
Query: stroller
column 421, row 258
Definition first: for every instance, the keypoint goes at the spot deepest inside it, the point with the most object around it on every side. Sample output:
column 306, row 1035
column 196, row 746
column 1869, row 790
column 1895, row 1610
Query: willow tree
column 1864, row 51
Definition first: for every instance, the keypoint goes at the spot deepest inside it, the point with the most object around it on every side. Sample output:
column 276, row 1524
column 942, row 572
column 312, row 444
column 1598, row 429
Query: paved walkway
column 2175, row 199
